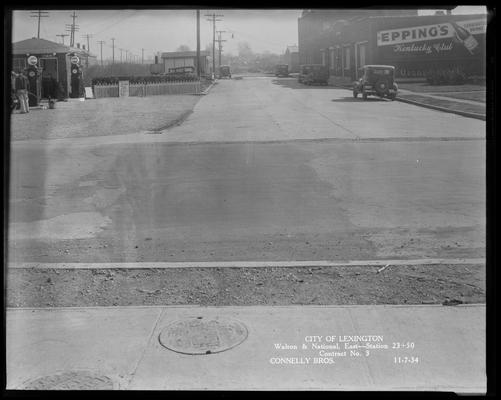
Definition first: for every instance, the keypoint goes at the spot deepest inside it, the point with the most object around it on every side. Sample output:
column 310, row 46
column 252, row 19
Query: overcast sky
column 165, row 30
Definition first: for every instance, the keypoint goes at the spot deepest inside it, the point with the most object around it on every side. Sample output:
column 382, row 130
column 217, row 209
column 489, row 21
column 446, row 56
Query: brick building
column 345, row 40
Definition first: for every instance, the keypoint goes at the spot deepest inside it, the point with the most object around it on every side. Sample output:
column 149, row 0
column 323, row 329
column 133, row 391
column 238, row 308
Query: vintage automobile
column 282, row 70
column 224, row 71
column 313, row 73
column 376, row 80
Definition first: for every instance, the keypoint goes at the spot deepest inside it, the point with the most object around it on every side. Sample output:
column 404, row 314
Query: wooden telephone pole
column 101, row 42
column 213, row 19
column 39, row 14
column 220, row 41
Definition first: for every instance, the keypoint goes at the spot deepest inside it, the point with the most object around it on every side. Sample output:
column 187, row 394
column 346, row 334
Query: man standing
column 22, row 86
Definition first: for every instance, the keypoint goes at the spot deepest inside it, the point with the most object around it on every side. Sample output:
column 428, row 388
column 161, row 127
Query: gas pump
column 76, row 77
column 34, row 75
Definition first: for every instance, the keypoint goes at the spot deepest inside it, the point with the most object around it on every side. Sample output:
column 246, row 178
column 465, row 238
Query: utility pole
column 198, row 44
column 72, row 29
column 62, row 36
column 88, row 36
column 73, row 26
column 213, row 19
column 220, row 40
column 126, row 56
column 101, row 42
column 142, row 56
column 113, row 50
column 121, row 51
column 39, row 14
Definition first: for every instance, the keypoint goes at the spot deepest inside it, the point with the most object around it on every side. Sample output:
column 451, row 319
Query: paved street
column 264, row 169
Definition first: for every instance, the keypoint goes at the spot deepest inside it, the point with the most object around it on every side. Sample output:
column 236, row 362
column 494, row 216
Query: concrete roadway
column 264, row 169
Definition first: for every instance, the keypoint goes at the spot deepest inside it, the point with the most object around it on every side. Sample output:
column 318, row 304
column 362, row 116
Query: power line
column 39, row 14
column 120, row 20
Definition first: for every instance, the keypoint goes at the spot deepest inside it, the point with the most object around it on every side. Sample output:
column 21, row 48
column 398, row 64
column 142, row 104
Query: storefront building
column 415, row 45
column 291, row 58
column 53, row 60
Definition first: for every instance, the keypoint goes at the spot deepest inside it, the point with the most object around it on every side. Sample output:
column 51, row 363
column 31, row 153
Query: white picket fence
column 149, row 89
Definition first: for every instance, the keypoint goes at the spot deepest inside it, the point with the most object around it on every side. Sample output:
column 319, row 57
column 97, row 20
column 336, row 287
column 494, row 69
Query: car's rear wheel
column 382, row 87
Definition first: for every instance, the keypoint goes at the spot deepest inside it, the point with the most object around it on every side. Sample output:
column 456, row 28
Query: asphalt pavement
column 264, row 169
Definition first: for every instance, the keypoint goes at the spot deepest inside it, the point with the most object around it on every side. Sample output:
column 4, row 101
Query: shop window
column 346, row 58
column 361, row 53
column 332, row 59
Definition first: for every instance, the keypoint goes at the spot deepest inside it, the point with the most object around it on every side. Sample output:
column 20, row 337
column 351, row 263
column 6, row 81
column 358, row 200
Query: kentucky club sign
column 441, row 35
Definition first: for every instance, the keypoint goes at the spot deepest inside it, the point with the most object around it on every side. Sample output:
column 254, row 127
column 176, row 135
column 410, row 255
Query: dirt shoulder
column 247, row 286
column 102, row 117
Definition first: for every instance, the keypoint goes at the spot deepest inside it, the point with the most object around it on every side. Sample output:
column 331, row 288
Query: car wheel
column 355, row 94
column 364, row 96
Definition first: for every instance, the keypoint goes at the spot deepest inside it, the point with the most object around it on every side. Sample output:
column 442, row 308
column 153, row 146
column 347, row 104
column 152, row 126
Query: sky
column 166, row 30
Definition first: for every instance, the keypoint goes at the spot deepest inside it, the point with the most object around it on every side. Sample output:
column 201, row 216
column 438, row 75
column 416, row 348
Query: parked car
column 313, row 73
column 376, row 80
column 282, row 70
column 224, row 71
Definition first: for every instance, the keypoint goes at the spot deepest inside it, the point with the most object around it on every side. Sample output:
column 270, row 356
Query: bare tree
column 183, row 47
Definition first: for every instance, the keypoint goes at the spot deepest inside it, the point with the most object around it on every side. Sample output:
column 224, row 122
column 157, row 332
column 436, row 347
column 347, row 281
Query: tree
column 183, row 47
column 245, row 51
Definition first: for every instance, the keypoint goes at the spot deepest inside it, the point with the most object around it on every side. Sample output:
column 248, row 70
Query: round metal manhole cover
column 199, row 335
column 72, row 380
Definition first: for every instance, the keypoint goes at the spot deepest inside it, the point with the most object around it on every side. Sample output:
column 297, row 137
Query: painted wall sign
column 448, row 40
column 431, row 32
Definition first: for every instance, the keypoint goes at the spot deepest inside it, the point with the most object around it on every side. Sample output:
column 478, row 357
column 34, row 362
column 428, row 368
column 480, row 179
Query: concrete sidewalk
column 434, row 348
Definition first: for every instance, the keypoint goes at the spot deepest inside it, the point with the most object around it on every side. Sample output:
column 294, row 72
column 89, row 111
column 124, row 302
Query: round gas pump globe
column 74, row 60
column 74, row 70
column 32, row 73
column 32, row 60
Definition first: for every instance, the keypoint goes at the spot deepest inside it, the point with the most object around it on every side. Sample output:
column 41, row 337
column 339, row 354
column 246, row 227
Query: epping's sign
column 429, row 32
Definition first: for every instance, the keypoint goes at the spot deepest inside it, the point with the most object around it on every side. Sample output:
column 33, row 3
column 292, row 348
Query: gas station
column 54, row 70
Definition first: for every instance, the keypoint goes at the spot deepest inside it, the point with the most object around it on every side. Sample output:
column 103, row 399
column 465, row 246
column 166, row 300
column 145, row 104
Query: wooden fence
column 149, row 89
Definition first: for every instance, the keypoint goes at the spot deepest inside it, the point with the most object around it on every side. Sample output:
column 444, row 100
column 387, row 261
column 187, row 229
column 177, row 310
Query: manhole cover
column 73, row 380
column 202, row 336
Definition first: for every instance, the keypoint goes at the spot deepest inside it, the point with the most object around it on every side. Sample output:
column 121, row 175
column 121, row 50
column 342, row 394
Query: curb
column 443, row 109
column 206, row 91
column 432, row 107
column 252, row 264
